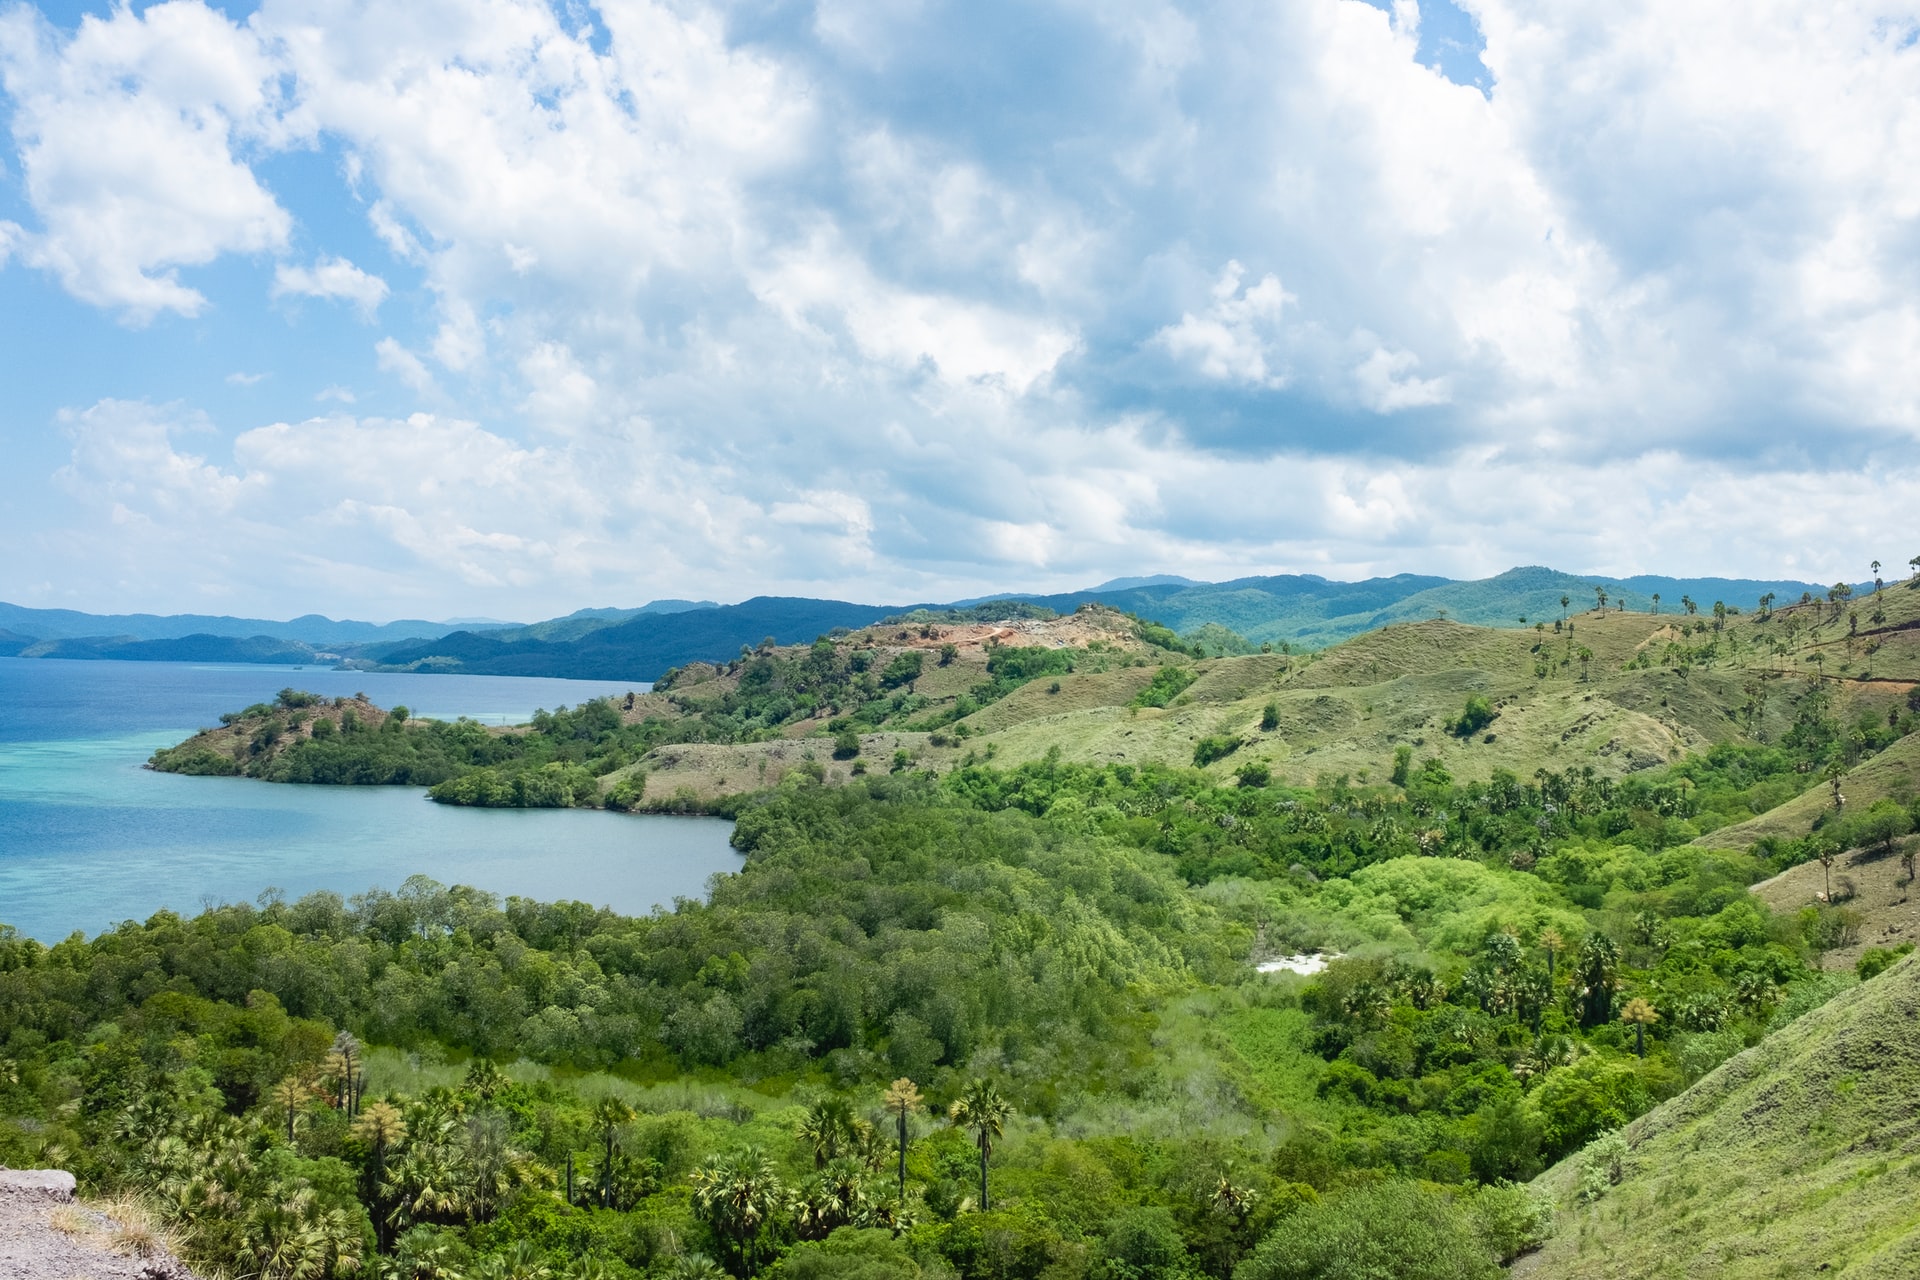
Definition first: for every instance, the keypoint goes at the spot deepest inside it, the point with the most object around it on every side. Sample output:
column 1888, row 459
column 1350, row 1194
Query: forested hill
column 1297, row 610
column 1228, row 617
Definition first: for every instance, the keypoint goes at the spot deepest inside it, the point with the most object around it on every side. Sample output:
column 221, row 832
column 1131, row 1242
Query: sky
column 507, row 307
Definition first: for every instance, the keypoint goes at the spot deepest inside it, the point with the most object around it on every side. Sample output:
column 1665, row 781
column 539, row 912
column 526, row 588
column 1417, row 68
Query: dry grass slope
column 1799, row 1157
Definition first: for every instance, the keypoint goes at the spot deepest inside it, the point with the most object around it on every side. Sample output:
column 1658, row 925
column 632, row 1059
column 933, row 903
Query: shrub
column 1511, row 1219
column 1398, row 1228
column 1877, row 960
column 1270, row 717
column 1254, row 773
column 1166, row 685
column 1402, row 765
column 628, row 792
column 846, row 745
column 1475, row 716
column 1213, row 747
column 904, row 669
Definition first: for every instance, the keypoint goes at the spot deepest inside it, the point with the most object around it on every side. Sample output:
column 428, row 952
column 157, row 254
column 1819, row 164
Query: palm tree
column 1766, row 605
column 981, row 1109
column 902, row 1099
column 1553, row 942
column 829, row 1128
column 609, row 1114
column 287, row 1095
column 1656, row 602
column 1638, row 1014
column 1600, row 595
column 735, row 1195
column 381, row 1127
column 340, row 1057
column 1564, row 602
column 1690, row 605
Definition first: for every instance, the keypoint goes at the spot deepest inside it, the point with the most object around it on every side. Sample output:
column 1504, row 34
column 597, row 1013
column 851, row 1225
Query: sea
column 89, row 838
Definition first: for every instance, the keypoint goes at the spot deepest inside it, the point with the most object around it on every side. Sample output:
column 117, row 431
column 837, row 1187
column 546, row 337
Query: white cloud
column 1230, row 340
column 239, row 378
column 126, row 132
column 871, row 305
column 334, row 279
column 395, row 359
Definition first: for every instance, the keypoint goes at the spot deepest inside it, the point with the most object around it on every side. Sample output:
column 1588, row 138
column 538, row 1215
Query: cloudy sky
column 507, row 307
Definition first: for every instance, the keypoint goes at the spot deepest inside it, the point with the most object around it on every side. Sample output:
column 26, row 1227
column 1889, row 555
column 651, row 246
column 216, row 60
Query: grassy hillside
column 1796, row 1158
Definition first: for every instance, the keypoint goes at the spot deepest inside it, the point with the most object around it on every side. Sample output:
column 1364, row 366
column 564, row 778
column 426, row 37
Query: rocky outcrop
column 45, row 1234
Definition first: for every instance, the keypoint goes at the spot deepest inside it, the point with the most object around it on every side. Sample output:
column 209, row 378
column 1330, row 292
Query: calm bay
column 89, row 838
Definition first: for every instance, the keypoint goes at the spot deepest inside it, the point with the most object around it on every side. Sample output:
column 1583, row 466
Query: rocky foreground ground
column 45, row 1234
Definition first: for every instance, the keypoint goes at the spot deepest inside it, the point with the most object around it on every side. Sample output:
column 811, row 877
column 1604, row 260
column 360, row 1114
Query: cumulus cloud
column 126, row 133
column 334, row 279
column 890, row 303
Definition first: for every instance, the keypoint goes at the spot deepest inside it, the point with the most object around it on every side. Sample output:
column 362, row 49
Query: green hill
column 1796, row 1158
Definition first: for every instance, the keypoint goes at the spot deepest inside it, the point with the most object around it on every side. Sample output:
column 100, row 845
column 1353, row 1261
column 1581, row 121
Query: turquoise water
column 89, row 838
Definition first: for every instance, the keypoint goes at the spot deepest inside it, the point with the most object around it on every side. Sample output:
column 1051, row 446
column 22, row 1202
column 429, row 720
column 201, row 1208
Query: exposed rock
column 44, row 1235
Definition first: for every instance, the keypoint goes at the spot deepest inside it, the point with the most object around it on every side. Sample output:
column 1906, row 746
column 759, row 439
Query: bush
column 1166, row 685
column 1270, row 717
column 628, row 792
column 1475, row 716
column 1254, row 773
column 1511, row 1219
column 1399, row 1229
column 904, row 669
column 1213, row 747
column 1144, row 1244
column 1877, row 960
column 846, row 745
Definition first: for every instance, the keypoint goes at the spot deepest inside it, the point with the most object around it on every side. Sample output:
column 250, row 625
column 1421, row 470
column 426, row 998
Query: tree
column 736, row 1195
column 902, row 1099
column 1656, row 602
column 1600, row 596
column 1766, row 606
column 846, row 745
column 1553, row 942
column 608, row 1115
column 1270, row 717
column 1639, row 1015
column 981, row 1109
column 1392, row 1228
column 1599, row 958
column 382, row 1129
column 1691, row 605
column 1564, row 602
column 830, row 1128
column 948, row 652
column 341, row 1058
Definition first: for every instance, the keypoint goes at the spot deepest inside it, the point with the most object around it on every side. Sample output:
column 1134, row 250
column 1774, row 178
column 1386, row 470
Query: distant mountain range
column 639, row 644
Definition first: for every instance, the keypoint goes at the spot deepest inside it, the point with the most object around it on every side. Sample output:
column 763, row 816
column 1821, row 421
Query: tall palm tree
column 381, row 1127
column 1638, row 1014
column 609, row 1114
column 1656, row 602
column 341, row 1058
column 981, row 1108
column 902, row 1099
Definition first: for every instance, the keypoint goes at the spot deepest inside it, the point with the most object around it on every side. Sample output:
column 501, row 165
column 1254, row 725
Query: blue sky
column 505, row 307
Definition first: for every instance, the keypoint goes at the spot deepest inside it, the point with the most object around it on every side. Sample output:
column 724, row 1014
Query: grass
column 1800, row 1156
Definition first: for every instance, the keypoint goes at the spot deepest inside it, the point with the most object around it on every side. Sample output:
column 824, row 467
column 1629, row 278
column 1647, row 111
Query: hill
column 1287, row 612
column 312, row 629
column 1794, row 1158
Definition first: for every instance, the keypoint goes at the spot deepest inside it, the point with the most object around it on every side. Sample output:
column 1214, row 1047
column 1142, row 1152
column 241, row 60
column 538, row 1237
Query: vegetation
column 996, row 1011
